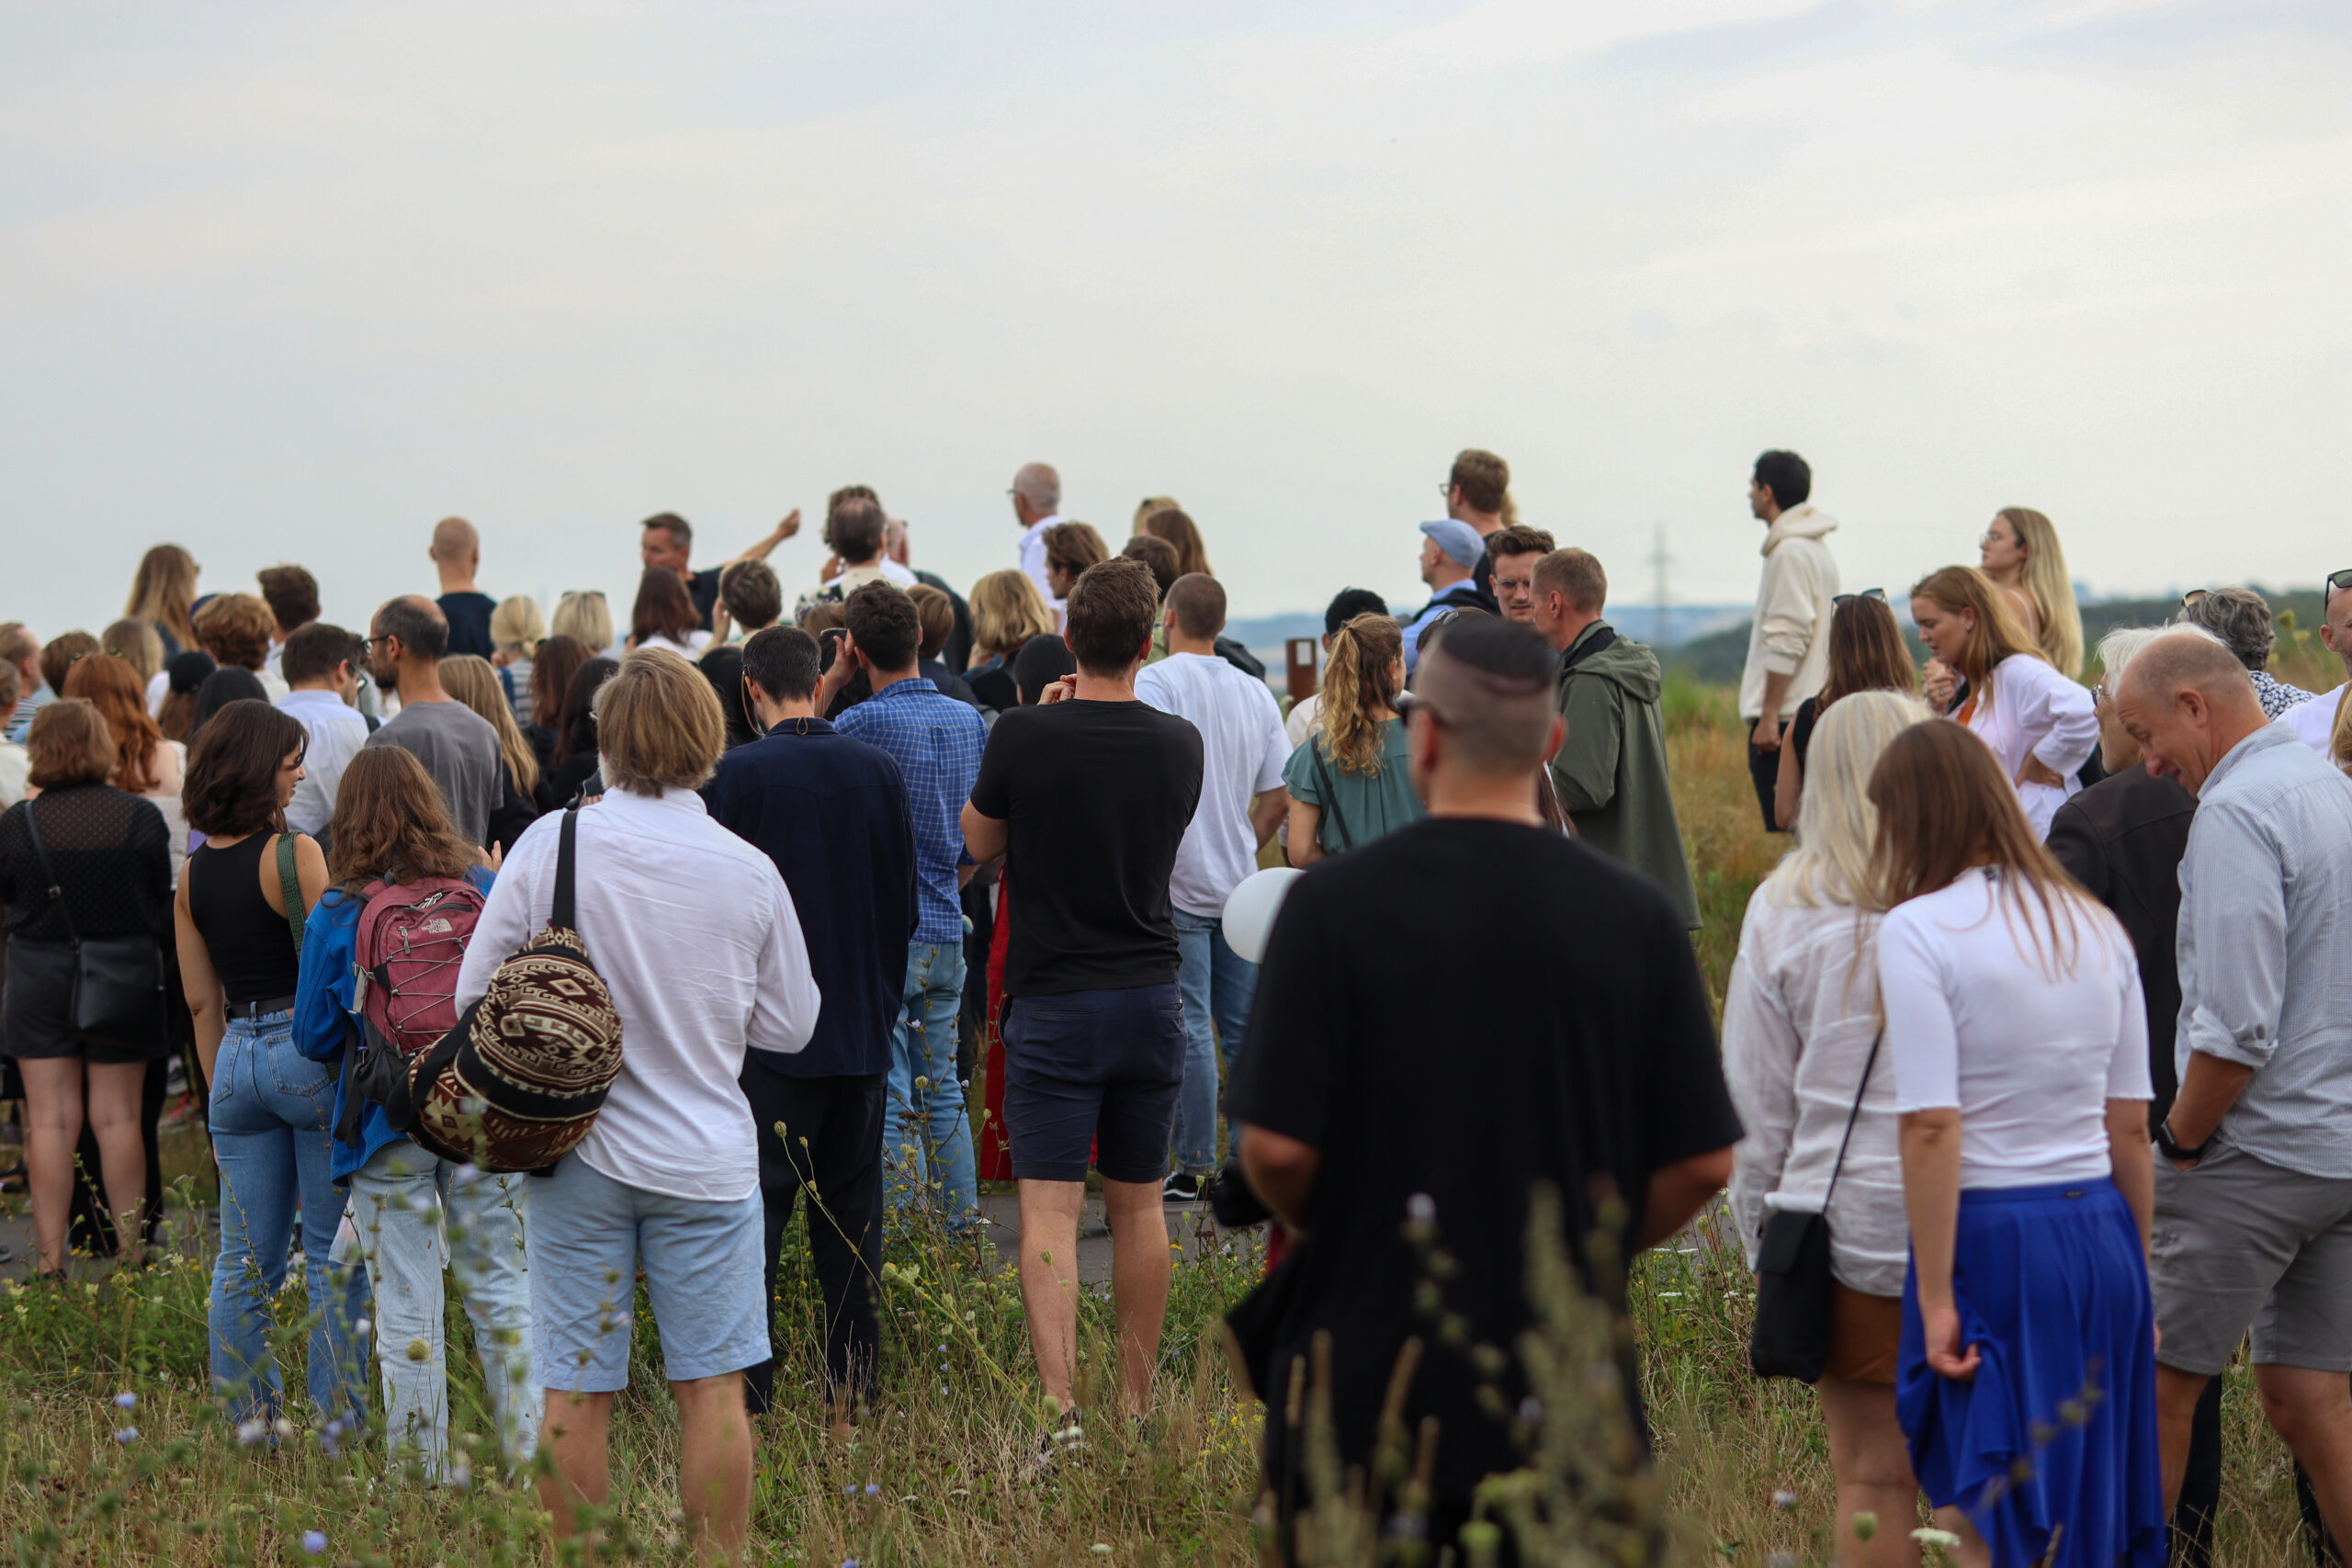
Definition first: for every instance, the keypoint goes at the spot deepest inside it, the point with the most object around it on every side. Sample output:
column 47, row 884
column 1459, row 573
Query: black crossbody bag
column 1793, row 1284
column 116, row 987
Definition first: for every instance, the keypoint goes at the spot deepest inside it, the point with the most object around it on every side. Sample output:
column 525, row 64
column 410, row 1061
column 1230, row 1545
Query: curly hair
column 234, row 628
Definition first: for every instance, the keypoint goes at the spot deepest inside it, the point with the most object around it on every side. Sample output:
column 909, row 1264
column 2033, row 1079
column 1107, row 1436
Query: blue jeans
column 271, row 1110
column 926, row 1137
column 1216, row 984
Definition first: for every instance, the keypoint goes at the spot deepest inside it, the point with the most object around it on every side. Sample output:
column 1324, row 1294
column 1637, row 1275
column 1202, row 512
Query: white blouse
column 2028, row 1051
column 1799, row 1017
column 2027, row 709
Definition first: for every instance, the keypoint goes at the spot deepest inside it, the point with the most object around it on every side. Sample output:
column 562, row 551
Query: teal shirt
column 1368, row 806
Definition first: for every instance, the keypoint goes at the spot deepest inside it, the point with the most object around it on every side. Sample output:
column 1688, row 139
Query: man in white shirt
column 2313, row 722
column 697, row 936
column 1788, row 642
column 1036, row 495
column 1242, row 800
column 319, row 662
column 1345, row 607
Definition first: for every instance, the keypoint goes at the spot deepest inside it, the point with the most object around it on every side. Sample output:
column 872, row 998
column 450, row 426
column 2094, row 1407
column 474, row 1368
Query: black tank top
column 251, row 948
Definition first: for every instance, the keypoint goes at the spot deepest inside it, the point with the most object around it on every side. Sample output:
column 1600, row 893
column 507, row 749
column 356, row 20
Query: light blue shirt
column 2265, row 947
column 338, row 731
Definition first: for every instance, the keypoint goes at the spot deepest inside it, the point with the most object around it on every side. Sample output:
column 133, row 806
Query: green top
column 1365, row 805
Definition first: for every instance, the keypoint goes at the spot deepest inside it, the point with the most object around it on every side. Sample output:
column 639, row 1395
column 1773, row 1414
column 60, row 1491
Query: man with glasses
column 459, row 749
column 1477, row 492
column 2314, row 723
column 1513, row 552
column 1788, row 641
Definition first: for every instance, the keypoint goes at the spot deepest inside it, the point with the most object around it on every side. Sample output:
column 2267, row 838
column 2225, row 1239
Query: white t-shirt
column 689, row 651
column 1974, row 1022
column 2315, row 721
column 1302, row 720
column 1242, row 752
column 694, row 932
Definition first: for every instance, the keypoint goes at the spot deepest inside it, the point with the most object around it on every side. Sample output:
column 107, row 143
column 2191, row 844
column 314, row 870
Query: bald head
column 1036, row 493
column 2188, row 701
column 454, row 542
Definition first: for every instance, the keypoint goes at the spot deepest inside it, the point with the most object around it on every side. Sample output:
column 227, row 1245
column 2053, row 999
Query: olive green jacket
column 1610, row 770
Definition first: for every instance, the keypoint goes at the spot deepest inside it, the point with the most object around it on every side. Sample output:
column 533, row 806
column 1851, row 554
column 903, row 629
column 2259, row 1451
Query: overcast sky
column 293, row 281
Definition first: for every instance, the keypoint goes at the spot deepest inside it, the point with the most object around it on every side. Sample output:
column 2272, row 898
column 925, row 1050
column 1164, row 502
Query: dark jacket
column 1611, row 770
column 2123, row 839
column 831, row 813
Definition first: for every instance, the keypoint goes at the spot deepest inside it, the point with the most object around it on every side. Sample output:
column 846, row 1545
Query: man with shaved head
column 1036, row 495
column 405, row 645
column 2313, row 722
column 2253, row 1197
column 1382, row 1114
column 457, row 557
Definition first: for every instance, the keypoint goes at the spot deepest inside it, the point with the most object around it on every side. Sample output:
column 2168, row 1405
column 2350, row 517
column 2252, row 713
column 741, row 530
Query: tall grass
column 945, row 1472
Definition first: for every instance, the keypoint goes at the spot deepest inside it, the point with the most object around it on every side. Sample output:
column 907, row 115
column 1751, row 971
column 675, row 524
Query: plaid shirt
column 936, row 741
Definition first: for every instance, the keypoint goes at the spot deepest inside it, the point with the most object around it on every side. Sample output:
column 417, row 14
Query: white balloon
column 1249, row 912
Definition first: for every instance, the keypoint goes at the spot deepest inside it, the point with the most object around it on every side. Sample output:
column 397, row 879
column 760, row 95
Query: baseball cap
column 1457, row 539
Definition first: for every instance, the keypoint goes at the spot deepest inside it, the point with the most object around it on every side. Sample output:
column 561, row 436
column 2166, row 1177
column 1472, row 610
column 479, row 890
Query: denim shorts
column 1093, row 1068
column 586, row 1238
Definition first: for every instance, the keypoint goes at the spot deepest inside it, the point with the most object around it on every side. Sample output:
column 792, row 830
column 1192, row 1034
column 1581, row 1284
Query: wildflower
column 1936, row 1539
column 282, row 1427
column 359, row 1328
column 127, row 1435
column 872, row 1490
column 1865, row 1525
column 314, row 1542
column 126, row 1400
column 418, row 1349
column 1101, row 1546
column 252, row 1431
column 1422, row 1209
column 1785, row 1499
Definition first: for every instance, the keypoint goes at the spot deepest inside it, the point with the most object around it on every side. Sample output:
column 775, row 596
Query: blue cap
column 1457, row 539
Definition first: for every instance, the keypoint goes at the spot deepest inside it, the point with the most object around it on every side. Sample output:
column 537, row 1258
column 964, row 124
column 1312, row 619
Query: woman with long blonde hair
column 2040, row 723
column 2019, row 1040
column 1178, row 529
column 1801, row 1053
column 163, row 592
column 2021, row 554
column 137, row 643
column 583, row 614
column 472, row 680
column 1349, row 783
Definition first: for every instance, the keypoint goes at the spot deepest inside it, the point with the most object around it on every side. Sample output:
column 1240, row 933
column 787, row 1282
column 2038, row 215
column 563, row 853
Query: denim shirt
column 323, row 1014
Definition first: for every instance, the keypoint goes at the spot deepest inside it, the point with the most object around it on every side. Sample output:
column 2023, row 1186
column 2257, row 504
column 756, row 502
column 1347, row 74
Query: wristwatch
column 2173, row 1151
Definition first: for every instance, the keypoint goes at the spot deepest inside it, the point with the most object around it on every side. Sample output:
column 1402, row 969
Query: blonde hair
column 134, row 640
column 516, row 625
column 163, row 591
column 2339, row 734
column 470, row 678
column 1007, row 611
column 1997, row 634
column 657, row 725
column 1358, row 681
column 1836, row 824
column 583, row 614
column 2045, row 582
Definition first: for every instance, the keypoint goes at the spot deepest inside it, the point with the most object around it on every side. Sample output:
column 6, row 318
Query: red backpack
column 411, row 941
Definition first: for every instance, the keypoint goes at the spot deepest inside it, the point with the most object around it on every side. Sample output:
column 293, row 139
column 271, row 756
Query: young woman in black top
column 107, row 855
column 239, row 913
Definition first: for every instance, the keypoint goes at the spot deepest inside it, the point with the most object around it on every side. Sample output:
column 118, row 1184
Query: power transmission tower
column 1660, row 561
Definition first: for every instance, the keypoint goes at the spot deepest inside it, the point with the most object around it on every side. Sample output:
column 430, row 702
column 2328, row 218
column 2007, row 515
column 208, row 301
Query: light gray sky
column 291, row 281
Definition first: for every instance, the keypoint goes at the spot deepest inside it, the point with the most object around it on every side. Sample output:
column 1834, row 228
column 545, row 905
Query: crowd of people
column 2033, row 1031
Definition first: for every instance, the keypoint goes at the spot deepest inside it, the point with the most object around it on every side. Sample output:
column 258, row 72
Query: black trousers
column 832, row 1141
column 1764, row 767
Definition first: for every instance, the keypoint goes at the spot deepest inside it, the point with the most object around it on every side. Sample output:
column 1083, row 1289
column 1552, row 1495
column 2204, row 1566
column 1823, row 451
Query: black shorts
column 1093, row 1068
column 38, row 1002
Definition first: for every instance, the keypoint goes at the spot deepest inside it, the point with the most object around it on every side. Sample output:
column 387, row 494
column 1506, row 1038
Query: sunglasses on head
column 2339, row 580
column 1877, row 593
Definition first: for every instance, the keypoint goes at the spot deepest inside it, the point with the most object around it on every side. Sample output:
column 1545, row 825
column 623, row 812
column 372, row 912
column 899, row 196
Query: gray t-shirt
column 460, row 749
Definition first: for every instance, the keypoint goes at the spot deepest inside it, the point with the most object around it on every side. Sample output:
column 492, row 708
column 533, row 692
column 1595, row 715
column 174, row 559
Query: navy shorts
column 1099, row 1067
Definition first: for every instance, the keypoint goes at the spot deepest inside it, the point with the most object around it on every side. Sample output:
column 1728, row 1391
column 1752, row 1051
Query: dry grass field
column 942, row 1473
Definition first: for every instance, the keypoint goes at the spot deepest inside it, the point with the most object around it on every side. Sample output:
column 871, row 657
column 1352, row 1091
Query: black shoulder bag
column 117, row 996
column 1793, row 1285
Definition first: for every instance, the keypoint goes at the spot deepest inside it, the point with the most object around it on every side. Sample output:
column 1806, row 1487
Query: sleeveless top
column 253, row 952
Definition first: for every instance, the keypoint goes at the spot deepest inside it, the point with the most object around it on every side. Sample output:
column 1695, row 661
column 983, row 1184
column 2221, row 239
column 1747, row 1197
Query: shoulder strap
column 1330, row 795
column 560, row 914
column 289, row 887
column 48, row 874
column 1854, row 1115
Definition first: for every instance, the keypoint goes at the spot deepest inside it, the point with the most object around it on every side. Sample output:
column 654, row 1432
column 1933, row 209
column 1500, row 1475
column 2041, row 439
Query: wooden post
column 1299, row 654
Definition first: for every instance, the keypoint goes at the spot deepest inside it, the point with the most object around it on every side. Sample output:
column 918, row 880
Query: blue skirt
column 2056, row 1434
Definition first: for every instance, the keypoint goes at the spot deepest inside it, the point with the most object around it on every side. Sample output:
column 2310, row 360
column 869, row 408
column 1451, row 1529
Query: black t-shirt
column 469, row 618
column 702, row 587
column 1097, row 796
column 1464, row 1008
column 1801, row 729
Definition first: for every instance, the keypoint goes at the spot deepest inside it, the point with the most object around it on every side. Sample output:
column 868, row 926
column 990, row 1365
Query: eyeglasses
column 2194, row 595
column 1877, row 593
column 2339, row 580
column 1446, row 489
column 1409, row 703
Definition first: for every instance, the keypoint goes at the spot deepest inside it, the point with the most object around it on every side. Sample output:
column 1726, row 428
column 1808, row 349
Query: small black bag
column 1793, row 1284
column 118, row 981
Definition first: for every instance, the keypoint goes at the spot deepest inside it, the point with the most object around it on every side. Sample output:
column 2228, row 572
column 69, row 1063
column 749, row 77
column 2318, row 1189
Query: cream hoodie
column 1791, row 633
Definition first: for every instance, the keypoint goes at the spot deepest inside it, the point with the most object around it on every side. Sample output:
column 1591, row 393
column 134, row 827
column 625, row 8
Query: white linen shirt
column 2315, row 721
column 1799, row 1017
column 1976, row 1023
column 1033, row 561
column 1242, row 752
column 2027, row 709
column 338, row 731
column 694, row 933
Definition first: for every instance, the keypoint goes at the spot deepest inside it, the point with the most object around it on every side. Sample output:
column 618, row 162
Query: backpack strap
column 560, row 914
column 289, row 887
column 1330, row 795
column 48, row 876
